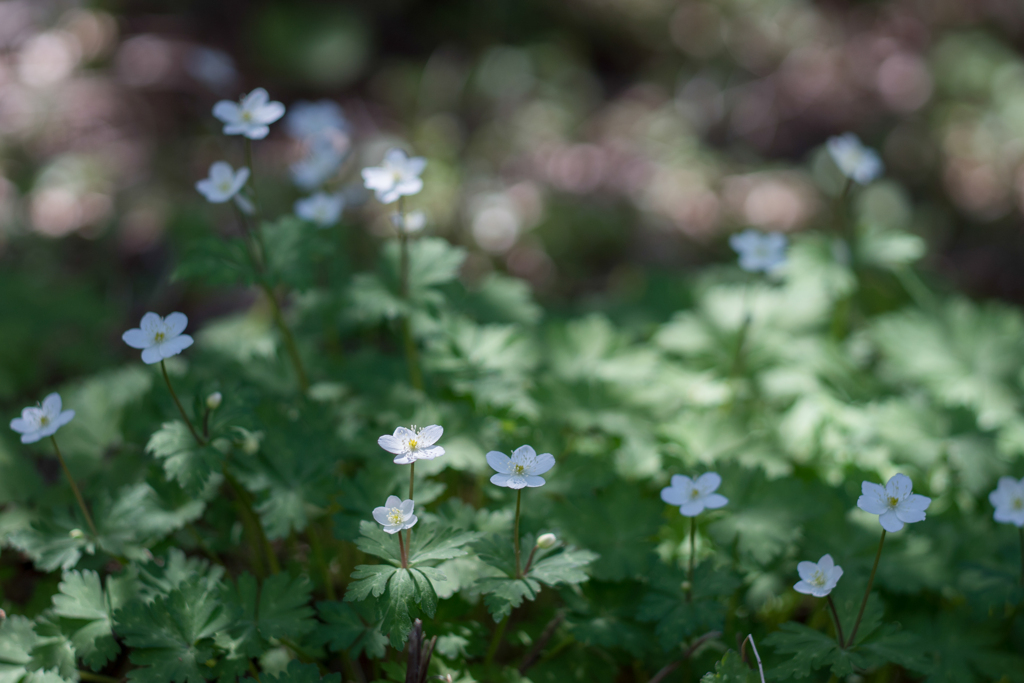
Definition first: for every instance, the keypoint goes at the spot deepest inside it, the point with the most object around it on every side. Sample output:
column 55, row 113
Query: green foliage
column 731, row 669
column 183, row 460
column 350, row 627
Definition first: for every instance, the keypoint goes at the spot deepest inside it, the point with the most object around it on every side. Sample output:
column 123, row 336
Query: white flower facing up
column 322, row 209
column 395, row 515
column 40, row 422
column 759, row 251
column 398, row 176
column 1008, row 500
column 895, row 503
column 410, row 445
column 223, row 184
column 158, row 337
column 522, row 470
column 818, row 578
column 857, row 162
column 410, row 223
column 693, row 496
column 251, row 116
column 306, row 119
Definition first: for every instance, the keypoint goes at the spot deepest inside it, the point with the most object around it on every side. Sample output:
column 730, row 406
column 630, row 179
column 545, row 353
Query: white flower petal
column 176, row 323
column 380, row 515
column 152, row 355
column 137, row 339
column 889, row 521
column 804, row 587
column 52, row 404
column 500, row 479
column 174, row 346
column 674, row 495
column 411, row 522
column 715, row 501
column 19, row 425
column 404, row 433
column 899, row 486
column 534, row 481
column 909, row 516
column 691, row 508
column 499, row 462
column 32, row 437
column 806, row 570
column 392, row 502
column 429, row 453
column 524, row 453
column 63, row 419
column 226, row 111
column 916, row 501
column 391, row 444
column 708, row 482
column 407, row 506
column 682, row 481
column 545, row 461
column 429, row 435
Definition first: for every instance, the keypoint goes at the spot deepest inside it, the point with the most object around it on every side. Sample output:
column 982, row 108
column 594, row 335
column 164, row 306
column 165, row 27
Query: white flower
column 521, row 469
column 759, row 252
column 410, row 445
column 818, row 579
column 158, row 337
column 1008, row 499
column 694, row 495
column 322, row 208
column 857, row 162
column 894, row 503
column 37, row 423
column 545, row 541
column 398, row 176
column 213, row 401
column 251, row 116
column 323, row 158
column 395, row 515
column 410, row 223
column 306, row 119
column 225, row 183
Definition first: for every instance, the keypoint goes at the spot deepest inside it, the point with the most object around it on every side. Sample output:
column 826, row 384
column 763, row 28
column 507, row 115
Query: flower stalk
column 693, row 551
column 839, row 626
column 74, row 488
column 408, row 533
column 411, row 352
column 181, row 409
column 867, row 592
column 515, row 534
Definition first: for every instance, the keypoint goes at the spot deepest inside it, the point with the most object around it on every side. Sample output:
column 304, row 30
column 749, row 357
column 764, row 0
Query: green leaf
column 280, row 609
column 352, row 627
column 432, row 261
column 731, row 669
column 563, row 567
column 373, row 540
column 811, row 650
column 85, row 606
column 183, row 460
column 369, row 579
column 216, row 261
column 54, row 650
column 17, row 639
column 434, row 543
column 678, row 618
column 297, row 672
column 504, row 594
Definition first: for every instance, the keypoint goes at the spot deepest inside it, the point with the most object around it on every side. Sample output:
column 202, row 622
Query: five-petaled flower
column 398, row 176
column 895, row 503
column 158, row 337
column 395, row 515
column 818, row 578
column 410, row 445
column 1008, row 500
column 251, row 116
column 693, row 496
column 409, row 223
column 321, row 208
column 522, row 469
column 224, row 183
column 39, row 422
column 758, row 251
column 857, row 162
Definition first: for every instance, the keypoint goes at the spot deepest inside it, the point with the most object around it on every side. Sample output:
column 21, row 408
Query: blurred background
column 591, row 147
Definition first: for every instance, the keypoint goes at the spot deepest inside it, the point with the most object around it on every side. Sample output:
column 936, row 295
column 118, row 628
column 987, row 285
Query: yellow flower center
column 44, row 420
column 518, row 469
column 159, row 337
column 413, row 444
column 819, row 578
column 893, row 501
column 395, row 516
column 694, row 494
column 246, row 115
column 1018, row 504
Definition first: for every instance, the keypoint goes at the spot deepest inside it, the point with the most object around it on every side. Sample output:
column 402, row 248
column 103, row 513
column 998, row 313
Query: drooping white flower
column 410, row 223
column 322, row 209
column 522, row 469
column 410, row 445
column 759, row 251
column 1008, row 500
column 693, row 496
column 857, row 162
column 39, row 422
column 251, row 116
column 895, row 503
column 158, row 337
column 324, row 154
column 223, row 184
column 398, row 176
column 818, row 578
column 395, row 515
column 306, row 119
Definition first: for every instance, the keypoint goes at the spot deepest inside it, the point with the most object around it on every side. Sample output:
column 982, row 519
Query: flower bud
column 76, row 533
column 213, row 400
column 546, row 541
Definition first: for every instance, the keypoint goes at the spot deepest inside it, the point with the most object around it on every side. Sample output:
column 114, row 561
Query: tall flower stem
column 252, row 520
column 74, row 488
column 411, row 352
column 181, row 409
column 403, row 552
column 408, row 533
column 839, row 626
column 289, row 340
column 1022, row 556
column 515, row 533
column 492, row 649
column 693, row 551
column 867, row 592
column 318, row 556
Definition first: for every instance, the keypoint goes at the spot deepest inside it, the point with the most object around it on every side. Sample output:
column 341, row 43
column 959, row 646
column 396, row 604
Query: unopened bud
column 76, row 533
column 213, row 400
column 546, row 541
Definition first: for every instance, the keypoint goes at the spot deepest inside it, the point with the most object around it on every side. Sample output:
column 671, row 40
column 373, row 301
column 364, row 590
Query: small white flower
column 213, row 401
column 545, row 541
column 224, row 183
column 1008, row 500
column 251, row 116
column 693, row 496
column 322, row 209
column 522, row 469
column 818, row 578
column 306, row 119
column 759, row 252
column 857, row 162
column 895, row 503
column 398, row 176
column 395, row 515
column 324, row 154
column 410, row 445
column 410, row 223
column 36, row 423
column 158, row 337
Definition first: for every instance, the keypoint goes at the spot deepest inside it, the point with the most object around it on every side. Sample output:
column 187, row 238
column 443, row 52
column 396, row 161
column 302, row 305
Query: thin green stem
column 492, row 649
column 402, row 551
column 289, row 340
column 181, row 409
column 316, row 544
column 839, row 626
column 515, row 533
column 867, row 592
column 1022, row 556
column 411, row 352
column 408, row 533
column 245, row 508
column 74, row 488
column 693, row 551
column 529, row 560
